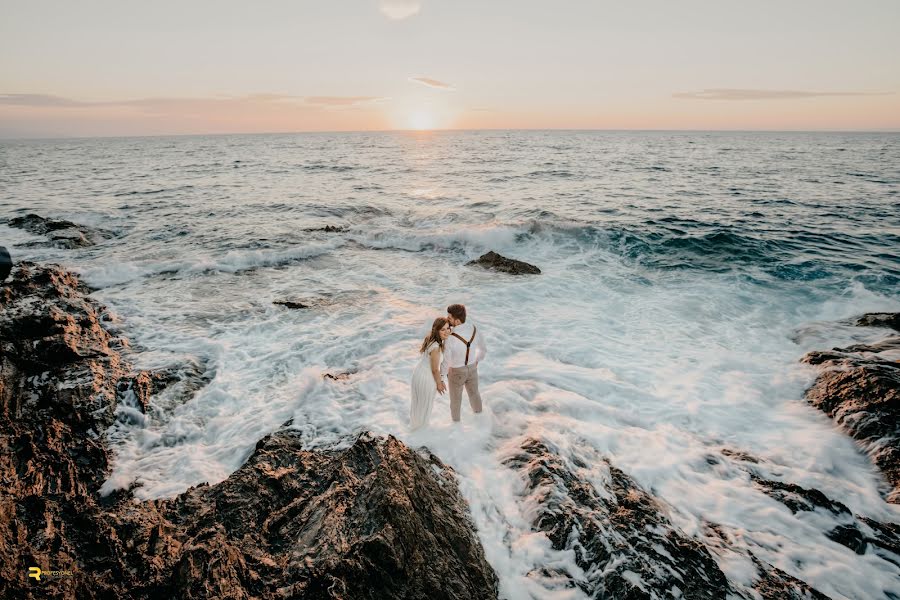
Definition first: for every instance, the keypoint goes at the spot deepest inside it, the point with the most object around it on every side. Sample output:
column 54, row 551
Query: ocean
column 684, row 276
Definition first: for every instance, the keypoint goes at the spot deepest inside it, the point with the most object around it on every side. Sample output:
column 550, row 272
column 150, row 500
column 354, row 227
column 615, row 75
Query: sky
column 115, row 67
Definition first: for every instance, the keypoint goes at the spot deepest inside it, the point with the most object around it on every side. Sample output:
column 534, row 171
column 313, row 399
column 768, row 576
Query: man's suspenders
column 469, row 343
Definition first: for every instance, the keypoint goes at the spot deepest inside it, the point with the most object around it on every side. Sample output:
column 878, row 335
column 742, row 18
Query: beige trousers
column 459, row 378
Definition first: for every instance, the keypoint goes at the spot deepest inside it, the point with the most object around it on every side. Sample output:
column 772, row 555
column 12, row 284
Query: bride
column 426, row 379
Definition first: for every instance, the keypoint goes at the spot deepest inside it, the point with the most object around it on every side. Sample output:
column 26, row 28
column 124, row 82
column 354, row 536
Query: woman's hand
column 441, row 388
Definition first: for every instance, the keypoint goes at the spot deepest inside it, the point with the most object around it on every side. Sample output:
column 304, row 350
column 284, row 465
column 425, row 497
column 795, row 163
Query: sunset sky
column 112, row 67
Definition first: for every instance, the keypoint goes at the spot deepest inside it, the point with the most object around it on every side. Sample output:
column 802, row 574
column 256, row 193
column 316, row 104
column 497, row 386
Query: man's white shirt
column 455, row 350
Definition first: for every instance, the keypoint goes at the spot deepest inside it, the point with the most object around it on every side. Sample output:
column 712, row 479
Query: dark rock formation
column 374, row 520
column 290, row 304
column 5, row 263
column 61, row 234
column 495, row 262
column 615, row 535
column 338, row 376
column 625, row 544
column 329, row 229
column 860, row 389
column 891, row 320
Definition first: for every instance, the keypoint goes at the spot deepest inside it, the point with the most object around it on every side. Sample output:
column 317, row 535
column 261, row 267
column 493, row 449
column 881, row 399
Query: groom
column 463, row 350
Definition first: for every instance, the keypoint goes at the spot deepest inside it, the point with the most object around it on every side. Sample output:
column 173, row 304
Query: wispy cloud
column 37, row 100
column 399, row 9
column 341, row 100
column 43, row 115
column 433, row 83
column 747, row 94
column 50, row 101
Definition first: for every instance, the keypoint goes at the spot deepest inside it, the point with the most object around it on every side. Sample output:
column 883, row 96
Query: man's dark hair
column 457, row 311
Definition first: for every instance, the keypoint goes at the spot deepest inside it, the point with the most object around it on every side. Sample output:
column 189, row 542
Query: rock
column 61, row 234
column 891, row 320
column 617, row 535
column 329, row 229
column 495, row 262
column 798, row 498
column 5, row 263
column 375, row 520
column 338, row 376
column 849, row 536
column 861, row 392
column 884, row 538
column 290, row 304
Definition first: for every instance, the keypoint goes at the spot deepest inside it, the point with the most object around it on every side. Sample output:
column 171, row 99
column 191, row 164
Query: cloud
column 399, row 9
column 38, row 100
column 745, row 94
column 433, row 83
column 49, row 101
column 341, row 100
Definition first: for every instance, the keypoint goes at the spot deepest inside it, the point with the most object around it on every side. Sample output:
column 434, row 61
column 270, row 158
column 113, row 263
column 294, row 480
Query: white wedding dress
column 423, row 389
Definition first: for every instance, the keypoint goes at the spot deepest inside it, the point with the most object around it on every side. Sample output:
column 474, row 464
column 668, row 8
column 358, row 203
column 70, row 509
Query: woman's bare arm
column 436, row 370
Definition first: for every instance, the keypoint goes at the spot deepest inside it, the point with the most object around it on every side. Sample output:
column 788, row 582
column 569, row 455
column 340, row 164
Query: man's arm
column 480, row 346
column 445, row 364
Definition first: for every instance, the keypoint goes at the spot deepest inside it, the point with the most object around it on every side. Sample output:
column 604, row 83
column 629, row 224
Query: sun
column 421, row 120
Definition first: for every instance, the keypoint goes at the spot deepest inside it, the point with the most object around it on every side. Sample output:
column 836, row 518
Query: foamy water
column 683, row 277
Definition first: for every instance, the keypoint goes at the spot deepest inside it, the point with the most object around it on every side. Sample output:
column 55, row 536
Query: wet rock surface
column 373, row 520
column 496, row 262
column 859, row 387
column 771, row 583
column 891, row 320
column 60, row 233
column 622, row 540
column 855, row 532
column 625, row 544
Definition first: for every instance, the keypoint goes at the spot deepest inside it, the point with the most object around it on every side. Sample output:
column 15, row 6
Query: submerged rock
column 771, row 583
column 853, row 531
column 329, row 229
column 292, row 304
column 859, row 387
column 495, row 262
column 61, row 233
column 374, row 520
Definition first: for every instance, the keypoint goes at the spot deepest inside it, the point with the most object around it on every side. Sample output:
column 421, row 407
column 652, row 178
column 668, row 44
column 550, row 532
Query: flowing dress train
column 423, row 389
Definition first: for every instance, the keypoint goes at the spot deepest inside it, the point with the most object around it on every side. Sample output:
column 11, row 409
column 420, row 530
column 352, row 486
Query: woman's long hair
column 435, row 335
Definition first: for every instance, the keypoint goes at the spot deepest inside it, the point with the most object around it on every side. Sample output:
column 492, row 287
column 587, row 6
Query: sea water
column 683, row 276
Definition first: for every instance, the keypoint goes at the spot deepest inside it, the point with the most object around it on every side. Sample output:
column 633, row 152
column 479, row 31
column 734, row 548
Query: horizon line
column 441, row 130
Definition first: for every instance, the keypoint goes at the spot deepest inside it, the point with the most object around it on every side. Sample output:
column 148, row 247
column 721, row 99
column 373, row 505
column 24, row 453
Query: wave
column 234, row 261
column 668, row 244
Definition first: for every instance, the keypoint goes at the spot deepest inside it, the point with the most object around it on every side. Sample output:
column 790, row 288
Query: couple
column 453, row 348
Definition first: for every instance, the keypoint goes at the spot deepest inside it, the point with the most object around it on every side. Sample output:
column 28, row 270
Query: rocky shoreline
column 859, row 387
column 377, row 520
column 374, row 520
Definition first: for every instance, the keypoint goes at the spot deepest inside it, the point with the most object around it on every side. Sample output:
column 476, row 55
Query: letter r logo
column 34, row 572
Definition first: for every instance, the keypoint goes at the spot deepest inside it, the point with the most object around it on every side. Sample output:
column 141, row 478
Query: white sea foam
column 656, row 377
column 116, row 273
